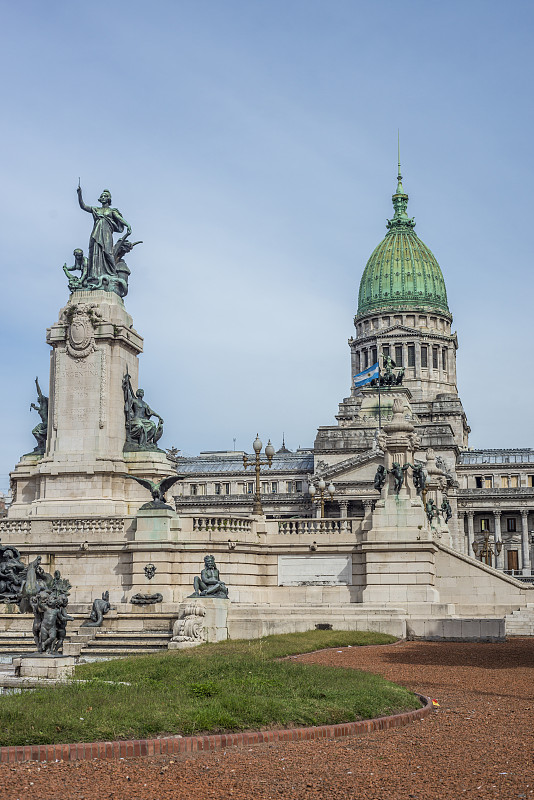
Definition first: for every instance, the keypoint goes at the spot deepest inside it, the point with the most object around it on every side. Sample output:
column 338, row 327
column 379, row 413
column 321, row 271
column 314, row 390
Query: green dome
column 402, row 271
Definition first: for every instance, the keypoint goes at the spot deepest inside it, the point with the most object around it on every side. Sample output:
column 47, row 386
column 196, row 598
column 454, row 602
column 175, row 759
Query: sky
column 252, row 146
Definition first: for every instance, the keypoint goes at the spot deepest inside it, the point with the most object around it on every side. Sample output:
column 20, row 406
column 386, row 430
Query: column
column 343, row 508
column 525, row 550
column 470, row 533
column 499, row 558
column 367, row 507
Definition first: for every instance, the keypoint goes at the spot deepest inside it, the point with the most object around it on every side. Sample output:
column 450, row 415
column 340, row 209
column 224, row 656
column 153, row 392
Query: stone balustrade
column 221, row 524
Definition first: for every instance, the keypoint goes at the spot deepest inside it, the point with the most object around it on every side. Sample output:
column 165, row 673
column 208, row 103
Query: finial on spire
column 400, row 190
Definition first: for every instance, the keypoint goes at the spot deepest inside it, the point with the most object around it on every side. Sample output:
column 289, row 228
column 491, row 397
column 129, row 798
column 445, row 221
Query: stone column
column 343, row 508
column 499, row 557
column 470, row 533
column 525, row 550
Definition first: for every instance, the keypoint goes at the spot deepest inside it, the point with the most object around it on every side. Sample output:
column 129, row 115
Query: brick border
column 171, row 745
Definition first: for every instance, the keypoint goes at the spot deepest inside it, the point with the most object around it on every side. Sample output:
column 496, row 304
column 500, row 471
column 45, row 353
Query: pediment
column 355, row 469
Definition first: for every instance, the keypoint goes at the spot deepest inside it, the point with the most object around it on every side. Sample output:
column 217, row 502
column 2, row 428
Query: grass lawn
column 229, row 686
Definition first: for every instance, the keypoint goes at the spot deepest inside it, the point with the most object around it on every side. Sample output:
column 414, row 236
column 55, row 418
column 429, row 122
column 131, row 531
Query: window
column 479, row 482
column 250, row 488
column 531, row 481
column 411, row 355
column 289, row 487
column 514, row 481
column 373, row 355
column 298, row 486
column 444, row 359
column 385, row 350
column 484, row 525
column 505, row 481
column 217, row 488
column 274, row 487
column 264, row 487
column 365, row 359
column 488, row 482
column 434, row 357
column 202, row 488
column 193, row 488
column 511, row 525
column 226, row 488
column 398, row 355
column 424, row 356
column 357, row 363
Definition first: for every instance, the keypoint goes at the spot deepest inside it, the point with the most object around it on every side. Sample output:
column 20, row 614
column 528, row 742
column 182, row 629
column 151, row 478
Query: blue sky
column 252, row 147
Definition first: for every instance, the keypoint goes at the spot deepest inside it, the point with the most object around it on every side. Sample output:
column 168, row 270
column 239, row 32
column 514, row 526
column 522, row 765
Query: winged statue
column 157, row 490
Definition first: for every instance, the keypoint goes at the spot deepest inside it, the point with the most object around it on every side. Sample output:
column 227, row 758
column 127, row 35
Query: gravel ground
column 479, row 744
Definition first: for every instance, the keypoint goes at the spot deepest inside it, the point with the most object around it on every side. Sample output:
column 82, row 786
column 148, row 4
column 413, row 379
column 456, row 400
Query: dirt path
column 480, row 743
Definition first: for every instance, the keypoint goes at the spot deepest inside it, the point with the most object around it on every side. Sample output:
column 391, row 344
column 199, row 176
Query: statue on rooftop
column 141, row 431
column 40, row 430
column 209, row 583
column 104, row 267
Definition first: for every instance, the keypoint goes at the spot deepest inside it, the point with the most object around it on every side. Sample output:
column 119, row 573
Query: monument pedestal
column 154, row 541
column 399, row 553
column 94, row 344
column 48, row 667
column 200, row 619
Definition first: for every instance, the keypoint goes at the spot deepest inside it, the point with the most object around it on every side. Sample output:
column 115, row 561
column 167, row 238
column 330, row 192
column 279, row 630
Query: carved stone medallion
column 81, row 319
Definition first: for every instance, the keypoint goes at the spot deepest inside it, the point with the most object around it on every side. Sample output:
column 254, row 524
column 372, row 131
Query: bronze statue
column 101, row 606
column 419, row 477
column 157, row 490
column 40, row 431
column 81, row 264
column 49, row 605
column 209, row 584
column 446, row 509
column 102, row 270
column 380, row 477
column 398, row 474
column 431, row 510
column 141, row 432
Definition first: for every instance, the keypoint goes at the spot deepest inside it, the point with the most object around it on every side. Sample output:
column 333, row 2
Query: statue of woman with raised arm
column 101, row 269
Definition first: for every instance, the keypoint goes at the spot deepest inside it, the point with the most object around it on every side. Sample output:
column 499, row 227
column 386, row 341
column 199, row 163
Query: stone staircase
column 520, row 623
column 114, row 644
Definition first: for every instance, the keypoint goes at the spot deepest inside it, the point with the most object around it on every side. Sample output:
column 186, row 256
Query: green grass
column 230, row 686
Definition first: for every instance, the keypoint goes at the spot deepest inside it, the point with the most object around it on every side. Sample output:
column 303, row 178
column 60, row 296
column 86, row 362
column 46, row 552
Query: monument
column 96, row 426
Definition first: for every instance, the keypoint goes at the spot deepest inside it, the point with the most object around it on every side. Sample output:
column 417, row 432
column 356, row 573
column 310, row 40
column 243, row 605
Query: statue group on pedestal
column 398, row 471
column 104, row 268
column 389, row 377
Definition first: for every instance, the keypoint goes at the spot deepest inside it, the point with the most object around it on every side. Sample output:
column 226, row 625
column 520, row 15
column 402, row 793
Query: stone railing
column 222, row 524
column 522, row 491
column 19, row 526
column 88, row 525
column 319, row 526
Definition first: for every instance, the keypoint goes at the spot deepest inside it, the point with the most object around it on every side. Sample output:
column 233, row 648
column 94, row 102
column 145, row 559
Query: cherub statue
column 446, row 509
column 380, row 477
column 431, row 510
column 398, row 474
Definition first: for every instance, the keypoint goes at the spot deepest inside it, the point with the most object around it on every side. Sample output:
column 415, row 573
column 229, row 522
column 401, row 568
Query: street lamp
column 257, row 463
column 485, row 551
column 321, row 485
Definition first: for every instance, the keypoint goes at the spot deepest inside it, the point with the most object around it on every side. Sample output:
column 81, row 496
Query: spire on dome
column 400, row 202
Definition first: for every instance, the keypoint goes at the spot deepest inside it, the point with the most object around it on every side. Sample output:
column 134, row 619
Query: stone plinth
column 81, row 473
column 46, row 667
column 155, row 539
column 399, row 553
column 200, row 619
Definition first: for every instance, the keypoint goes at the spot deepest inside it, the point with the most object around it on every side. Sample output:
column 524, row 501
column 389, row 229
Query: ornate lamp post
column 321, row 485
column 485, row 551
column 257, row 463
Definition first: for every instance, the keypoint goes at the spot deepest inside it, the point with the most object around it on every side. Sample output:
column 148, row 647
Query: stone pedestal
column 81, row 473
column 200, row 619
column 399, row 553
column 47, row 667
column 155, row 537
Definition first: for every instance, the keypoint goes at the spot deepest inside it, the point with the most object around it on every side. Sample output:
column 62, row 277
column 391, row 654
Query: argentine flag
column 367, row 375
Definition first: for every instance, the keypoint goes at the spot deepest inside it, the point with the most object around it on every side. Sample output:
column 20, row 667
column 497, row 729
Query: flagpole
column 379, row 405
